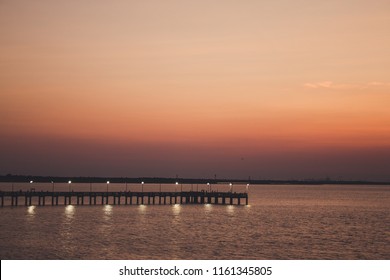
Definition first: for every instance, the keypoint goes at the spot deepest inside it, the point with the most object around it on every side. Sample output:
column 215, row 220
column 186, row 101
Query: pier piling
column 191, row 197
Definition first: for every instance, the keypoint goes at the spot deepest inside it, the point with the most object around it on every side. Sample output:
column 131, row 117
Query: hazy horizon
column 268, row 89
column 52, row 178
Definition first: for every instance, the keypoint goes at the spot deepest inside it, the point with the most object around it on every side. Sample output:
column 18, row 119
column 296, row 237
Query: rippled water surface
column 281, row 222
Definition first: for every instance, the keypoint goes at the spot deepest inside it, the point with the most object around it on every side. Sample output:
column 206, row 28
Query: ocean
column 280, row 222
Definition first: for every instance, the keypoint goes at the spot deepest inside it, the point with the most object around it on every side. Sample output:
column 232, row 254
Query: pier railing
column 42, row 198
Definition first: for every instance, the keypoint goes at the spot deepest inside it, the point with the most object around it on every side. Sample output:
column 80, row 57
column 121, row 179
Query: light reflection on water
column 142, row 208
column 107, row 209
column 176, row 208
column 31, row 210
column 69, row 211
column 230, row 209
column 282, row 222
column 31, row 213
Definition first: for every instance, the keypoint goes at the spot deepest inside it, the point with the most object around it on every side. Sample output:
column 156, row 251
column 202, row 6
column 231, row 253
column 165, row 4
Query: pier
column 43, row 198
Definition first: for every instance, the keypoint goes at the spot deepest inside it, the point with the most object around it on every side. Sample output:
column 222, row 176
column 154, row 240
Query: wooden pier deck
column 43, row 198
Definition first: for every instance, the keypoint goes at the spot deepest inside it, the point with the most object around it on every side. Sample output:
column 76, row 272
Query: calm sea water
column 281, row 222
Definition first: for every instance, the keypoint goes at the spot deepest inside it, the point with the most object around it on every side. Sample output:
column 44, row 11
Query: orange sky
column 194, row 87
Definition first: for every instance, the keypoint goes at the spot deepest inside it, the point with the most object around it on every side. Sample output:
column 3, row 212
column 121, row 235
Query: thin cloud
column 326, row 84
column 332, row 85
column 378, row 84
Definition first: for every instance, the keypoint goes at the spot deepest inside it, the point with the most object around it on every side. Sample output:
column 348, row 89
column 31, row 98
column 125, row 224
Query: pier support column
column 2, row 201
column 25, row 200
column 246, row 200
column 39, row 200
column 57, row 200
column 239, row 201
column 43, row 200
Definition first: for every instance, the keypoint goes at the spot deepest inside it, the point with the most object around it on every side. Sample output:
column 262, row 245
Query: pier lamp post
column 208, row 184
column 30, row 184
column 176, row 186
column 247, row 188
column 160, row 187
column 126, row 186
column 181, row 187
column 231, row 187
column 108, row 182
column 142, row 186
column 69, row 183
column 52, row 186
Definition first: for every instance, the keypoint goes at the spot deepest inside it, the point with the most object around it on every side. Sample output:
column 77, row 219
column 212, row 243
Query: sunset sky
column 269, row 89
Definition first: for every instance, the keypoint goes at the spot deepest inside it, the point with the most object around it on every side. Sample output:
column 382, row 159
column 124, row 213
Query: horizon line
column 167, row 180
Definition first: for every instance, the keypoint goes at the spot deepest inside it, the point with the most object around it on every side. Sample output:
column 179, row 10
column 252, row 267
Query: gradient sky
column 269, row 89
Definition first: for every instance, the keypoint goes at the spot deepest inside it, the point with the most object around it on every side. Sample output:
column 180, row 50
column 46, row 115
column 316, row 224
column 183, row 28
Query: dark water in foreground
column 282, row 222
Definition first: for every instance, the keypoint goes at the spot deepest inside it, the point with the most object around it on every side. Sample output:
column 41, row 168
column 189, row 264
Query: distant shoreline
column 78, row 179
